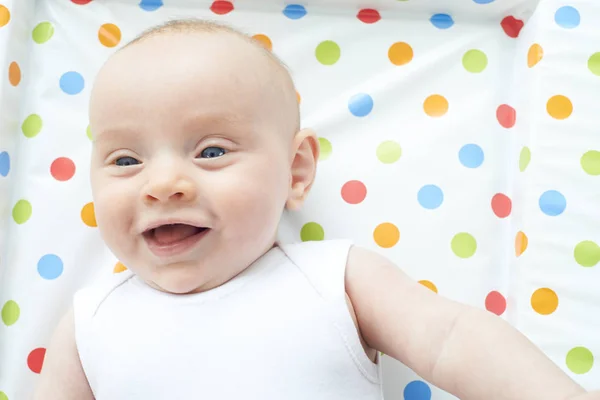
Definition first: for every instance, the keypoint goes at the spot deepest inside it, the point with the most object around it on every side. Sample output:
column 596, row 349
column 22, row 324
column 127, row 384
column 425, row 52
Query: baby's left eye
column 212, row 152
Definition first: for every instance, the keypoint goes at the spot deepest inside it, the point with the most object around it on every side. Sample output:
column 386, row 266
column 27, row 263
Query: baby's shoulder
column 89, row 298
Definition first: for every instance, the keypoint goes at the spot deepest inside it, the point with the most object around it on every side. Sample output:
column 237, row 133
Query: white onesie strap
column 86, row 302
column 323, row 263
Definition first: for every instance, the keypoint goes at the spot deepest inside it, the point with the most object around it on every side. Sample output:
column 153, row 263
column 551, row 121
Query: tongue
column 168, row 234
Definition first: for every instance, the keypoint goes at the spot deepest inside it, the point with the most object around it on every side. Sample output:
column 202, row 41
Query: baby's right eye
column 126, row 161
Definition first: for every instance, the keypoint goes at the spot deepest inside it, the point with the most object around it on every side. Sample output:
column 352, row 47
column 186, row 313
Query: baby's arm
column 62, row 376
column 468, row 352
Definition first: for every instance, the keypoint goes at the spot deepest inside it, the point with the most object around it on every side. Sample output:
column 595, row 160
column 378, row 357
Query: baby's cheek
column 114, row 213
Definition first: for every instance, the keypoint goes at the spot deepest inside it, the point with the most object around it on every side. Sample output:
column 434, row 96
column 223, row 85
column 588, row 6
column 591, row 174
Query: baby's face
column 190, row 167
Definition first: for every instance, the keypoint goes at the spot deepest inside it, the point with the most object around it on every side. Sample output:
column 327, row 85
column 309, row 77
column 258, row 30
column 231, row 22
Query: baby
column 197, row 152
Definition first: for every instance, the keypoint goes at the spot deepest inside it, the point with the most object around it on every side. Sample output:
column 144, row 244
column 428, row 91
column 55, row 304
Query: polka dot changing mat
column 459, row 138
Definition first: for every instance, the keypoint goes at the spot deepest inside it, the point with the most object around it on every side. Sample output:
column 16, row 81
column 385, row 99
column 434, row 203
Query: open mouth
column 171, row 239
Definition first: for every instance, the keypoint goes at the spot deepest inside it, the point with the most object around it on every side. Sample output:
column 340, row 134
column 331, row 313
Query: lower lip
column 176, row 248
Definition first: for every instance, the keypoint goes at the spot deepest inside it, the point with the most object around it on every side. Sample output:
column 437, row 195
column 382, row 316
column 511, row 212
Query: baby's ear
column 304, row 166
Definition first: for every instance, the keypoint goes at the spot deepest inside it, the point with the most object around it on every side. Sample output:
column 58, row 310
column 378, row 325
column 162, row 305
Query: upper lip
column 173, row 221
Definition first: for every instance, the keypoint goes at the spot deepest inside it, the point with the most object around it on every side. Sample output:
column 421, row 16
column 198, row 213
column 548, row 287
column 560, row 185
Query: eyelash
column 221, row 150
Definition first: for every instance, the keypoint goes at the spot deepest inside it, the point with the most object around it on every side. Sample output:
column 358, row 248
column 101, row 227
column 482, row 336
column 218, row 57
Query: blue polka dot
column 567, row 17
column 4, row 163
column 483, row 1
column 471, row 156
column 71, row 82
column 442, row 21
column 360, row 104
column 294, row 11
column 50, row 266
column 430, row 197
column 417, row 390
column 151, row 5
column 553, row 203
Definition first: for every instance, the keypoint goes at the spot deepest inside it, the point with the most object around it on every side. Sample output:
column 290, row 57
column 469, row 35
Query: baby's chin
column 177, row 280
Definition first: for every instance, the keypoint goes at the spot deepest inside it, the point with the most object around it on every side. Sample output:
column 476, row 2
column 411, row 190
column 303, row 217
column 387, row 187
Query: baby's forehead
column 187, row 61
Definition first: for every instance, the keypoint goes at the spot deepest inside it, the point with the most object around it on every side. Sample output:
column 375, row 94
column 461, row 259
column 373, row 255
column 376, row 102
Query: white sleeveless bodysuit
column 280, row 330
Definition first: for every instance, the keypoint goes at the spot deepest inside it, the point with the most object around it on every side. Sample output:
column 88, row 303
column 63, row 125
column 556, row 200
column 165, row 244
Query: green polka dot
column 42, row 32
column 88, row 132
column 389, row 152
column 464, row 245
column 325, row 146
column 3, row 396
column 32, row 125
column 590, row 162
column 475, row 61
column 10, row 312
column 328, row 52
column 594, row 64
column 21, row 211
column 524, row 158
column 580, row 360
column 587, row 253
column 312, row 232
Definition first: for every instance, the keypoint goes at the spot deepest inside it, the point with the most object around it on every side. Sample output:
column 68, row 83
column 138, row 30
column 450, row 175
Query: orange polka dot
column 14, row 73
column 544, row 301
column 4, row 15
column 534, row 55
column 109, row 35
column 264, row 40
column 298, row 97
column 435, row 105
column 386, row 235
column 119, row 267
column 88, row 216
column 429, row 285
column 521, row 242
column 400, row 53
column 559, row 107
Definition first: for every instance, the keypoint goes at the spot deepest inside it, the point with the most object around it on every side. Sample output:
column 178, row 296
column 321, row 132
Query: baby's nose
column 169, row 185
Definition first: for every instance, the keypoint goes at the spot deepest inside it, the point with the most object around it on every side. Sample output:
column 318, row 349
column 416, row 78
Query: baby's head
column 197, row 151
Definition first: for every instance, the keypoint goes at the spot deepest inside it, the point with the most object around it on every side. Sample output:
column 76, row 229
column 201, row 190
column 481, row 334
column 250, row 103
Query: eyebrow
column 211, row 120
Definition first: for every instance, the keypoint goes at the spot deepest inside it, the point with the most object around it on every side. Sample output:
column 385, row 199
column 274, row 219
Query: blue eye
column 126, row 161
column 212, row 152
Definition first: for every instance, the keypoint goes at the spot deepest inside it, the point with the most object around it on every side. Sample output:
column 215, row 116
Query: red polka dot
column 354, row 192
column 35, row 359
column 501, row 205
column 512, row 26
column 81, row 2
column 495, row 302
column 221, row 7
column 368, row 15
column 506, row 115
column 62, row 169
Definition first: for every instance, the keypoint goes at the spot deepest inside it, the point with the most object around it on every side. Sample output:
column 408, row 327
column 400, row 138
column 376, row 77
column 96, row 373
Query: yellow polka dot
column 429, row 285
column 264, row 40
column 534, row 55
column 109, row 35
column 298, row 97
column 119, row 267
column 400, row 53
column 14, row 73
column 521, row 242
column 435, row 105
column 559, row 107
column 4, row 15
column 386, row 235
column 544, row 301
column 88, row 216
